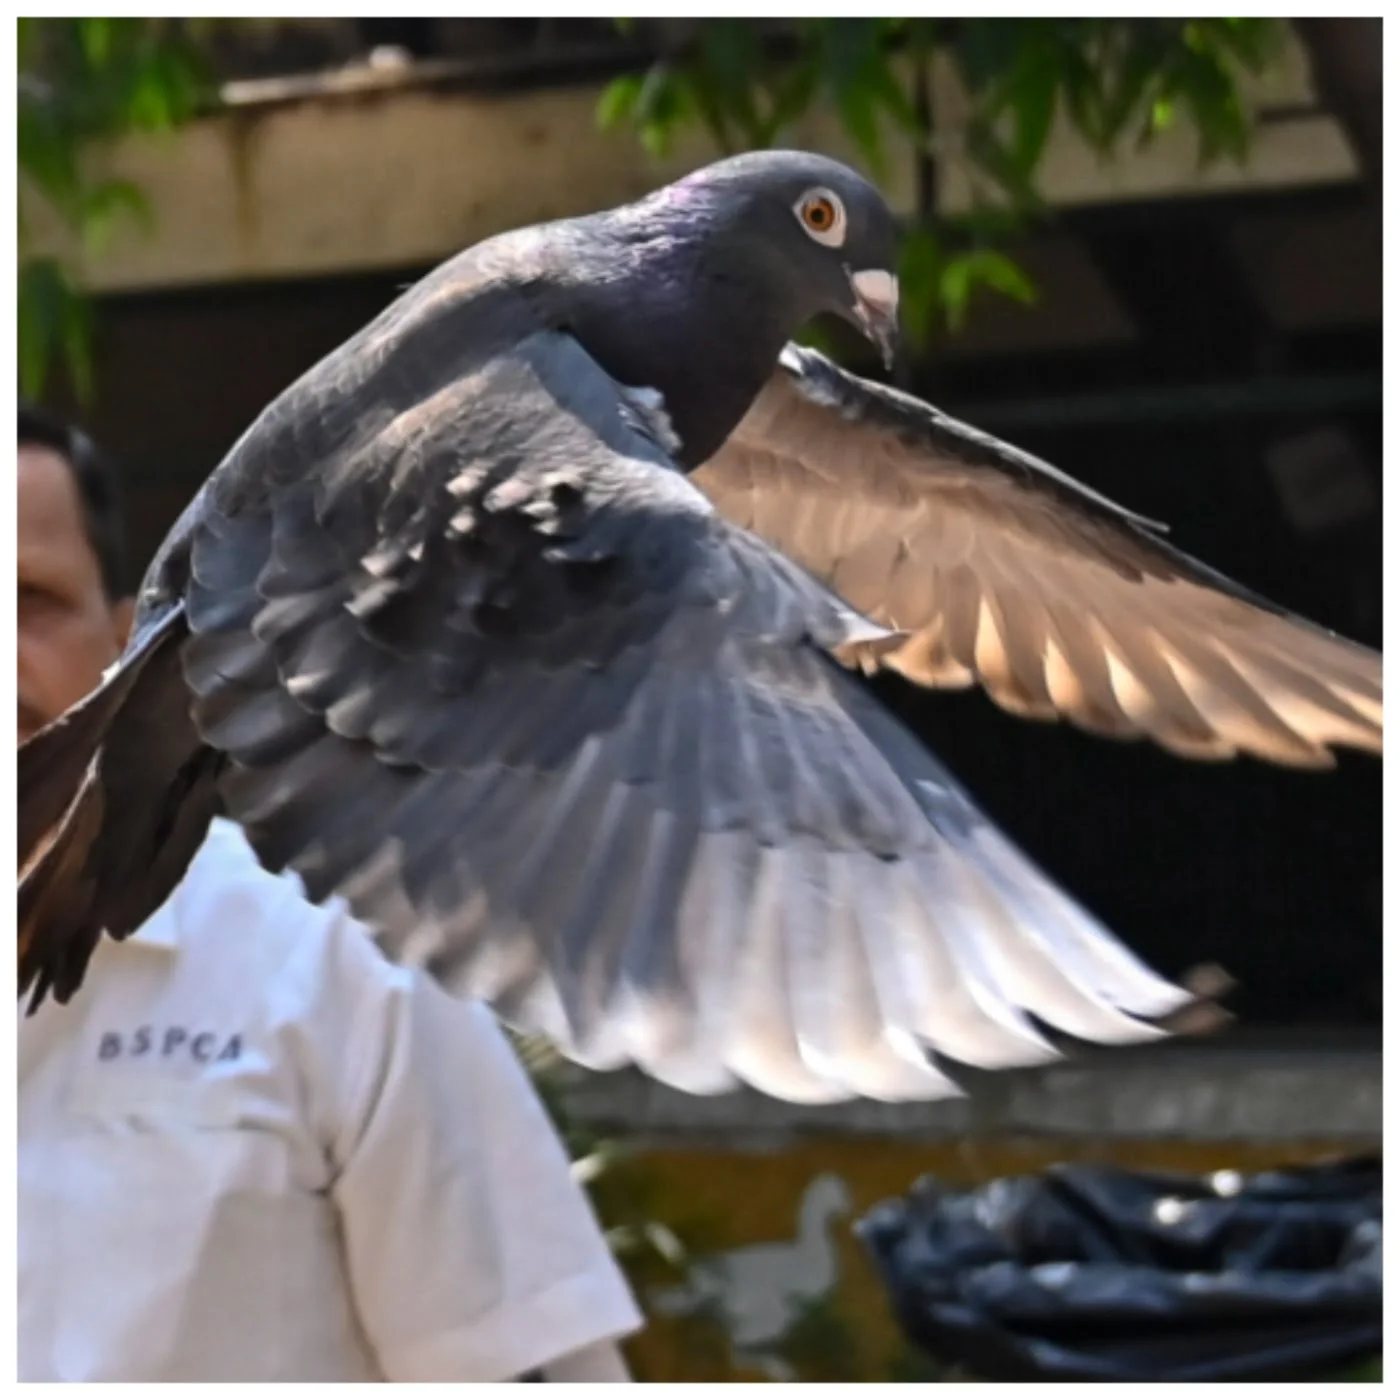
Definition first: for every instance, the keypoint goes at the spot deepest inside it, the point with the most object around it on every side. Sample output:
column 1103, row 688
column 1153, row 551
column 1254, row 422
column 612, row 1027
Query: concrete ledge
column 1222, row 1092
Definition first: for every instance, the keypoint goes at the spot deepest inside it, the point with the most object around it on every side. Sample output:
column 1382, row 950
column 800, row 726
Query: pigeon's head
column 823, row 235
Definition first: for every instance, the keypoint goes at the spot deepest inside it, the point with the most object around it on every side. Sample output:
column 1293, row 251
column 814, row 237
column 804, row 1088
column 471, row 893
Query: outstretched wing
column 494, row 670
column 1009, row 575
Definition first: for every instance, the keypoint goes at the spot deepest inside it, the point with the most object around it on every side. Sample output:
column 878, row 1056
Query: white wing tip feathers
column 871, row 1002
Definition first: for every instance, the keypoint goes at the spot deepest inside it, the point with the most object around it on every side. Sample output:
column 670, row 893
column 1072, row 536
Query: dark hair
column 99, row 489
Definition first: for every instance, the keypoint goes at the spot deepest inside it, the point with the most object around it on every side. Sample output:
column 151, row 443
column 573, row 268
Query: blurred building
column 1206, row 349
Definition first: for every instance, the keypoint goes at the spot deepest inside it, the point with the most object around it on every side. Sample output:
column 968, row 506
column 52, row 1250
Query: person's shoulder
column 316, row 966
column 235, row 917
column 226, row 884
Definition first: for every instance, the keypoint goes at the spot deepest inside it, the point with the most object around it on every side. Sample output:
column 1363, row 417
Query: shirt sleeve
column 473, row 1255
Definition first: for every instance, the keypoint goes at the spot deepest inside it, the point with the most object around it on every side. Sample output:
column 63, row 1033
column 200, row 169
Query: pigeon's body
column 452, row 632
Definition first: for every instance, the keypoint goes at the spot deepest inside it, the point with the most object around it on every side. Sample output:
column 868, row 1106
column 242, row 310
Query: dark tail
column 130, row 789
column 52, row 764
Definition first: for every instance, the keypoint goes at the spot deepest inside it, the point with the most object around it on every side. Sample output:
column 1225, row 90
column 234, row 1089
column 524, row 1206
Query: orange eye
column 819, row 214
column 823, row 216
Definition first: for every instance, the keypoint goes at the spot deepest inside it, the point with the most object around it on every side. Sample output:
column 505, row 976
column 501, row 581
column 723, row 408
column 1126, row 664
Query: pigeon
column 531, row 622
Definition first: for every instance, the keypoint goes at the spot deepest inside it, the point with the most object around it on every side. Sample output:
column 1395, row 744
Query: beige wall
column 384, row 172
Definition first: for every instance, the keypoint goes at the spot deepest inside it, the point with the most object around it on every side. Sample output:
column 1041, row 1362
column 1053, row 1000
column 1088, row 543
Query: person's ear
column 122, row 612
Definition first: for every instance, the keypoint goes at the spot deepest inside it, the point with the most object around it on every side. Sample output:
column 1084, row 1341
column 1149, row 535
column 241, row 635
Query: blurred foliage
column 1118, row 83
column 821, row 1346
column 622, row 1191
column 81, row 82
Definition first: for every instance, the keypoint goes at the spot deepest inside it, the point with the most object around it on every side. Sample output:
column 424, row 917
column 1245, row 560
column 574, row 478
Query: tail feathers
column 124, row 841
column 107, row 871
column 52, row 764
column 57, row 893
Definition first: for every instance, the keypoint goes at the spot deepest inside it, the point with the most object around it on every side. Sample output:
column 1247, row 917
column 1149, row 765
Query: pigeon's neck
column 705, row 337
column 709, row 377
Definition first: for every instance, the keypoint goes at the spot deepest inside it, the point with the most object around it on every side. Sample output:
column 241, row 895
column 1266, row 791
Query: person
column 251, row 1148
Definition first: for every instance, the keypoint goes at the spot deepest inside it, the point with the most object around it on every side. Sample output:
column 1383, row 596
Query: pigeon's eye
column 823, row 215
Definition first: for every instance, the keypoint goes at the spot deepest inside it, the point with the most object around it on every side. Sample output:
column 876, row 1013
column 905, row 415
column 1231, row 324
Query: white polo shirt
column 251, row 1149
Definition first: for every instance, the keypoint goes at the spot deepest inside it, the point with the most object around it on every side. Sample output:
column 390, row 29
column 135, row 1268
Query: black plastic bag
column 1098, row 1273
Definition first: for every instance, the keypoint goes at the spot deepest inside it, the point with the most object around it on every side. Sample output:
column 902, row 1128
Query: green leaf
column 38, row 324
column 859, row 117
column 961, row 275
column 723, row 79
column 95, row 35
column 48, row 157
column 999, row 272
column 103, row 207
column 82, row 81
column 619, row 101
column 659, row 108
column 920, row 259
column 994, row 159
column 852, row 61
column 984, row 51
column 151, row 104
column 795, row 89
column 27, row 33
column 53, row 318
column 1034, row 114
column 77, row 345
column 705, row 100
column 955, row 291
column 1086, row 99
column 893, row 98
column 1028, row 95
column 1251, row 42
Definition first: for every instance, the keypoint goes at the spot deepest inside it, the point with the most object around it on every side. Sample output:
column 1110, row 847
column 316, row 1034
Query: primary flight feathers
column 1009, row 575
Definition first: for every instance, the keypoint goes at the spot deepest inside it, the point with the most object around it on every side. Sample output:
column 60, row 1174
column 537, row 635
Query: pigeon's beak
column 877, row 309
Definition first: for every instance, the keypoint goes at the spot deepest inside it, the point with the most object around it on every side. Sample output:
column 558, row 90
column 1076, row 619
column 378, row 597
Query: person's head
column 73, row 611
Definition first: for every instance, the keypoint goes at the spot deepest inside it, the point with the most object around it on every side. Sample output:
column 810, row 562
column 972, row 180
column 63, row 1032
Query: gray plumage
column 452, row 632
